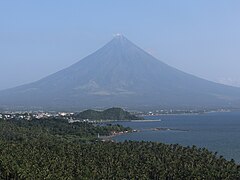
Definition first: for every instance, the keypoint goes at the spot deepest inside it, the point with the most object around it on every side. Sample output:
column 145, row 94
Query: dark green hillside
column 45, row 150
column 108, row 114
column 14, row 130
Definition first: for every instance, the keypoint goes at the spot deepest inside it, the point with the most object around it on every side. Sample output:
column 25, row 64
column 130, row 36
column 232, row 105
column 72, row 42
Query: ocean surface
column 218, row 131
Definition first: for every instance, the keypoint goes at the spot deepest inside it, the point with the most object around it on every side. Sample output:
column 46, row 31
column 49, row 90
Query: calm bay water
column 219, row 132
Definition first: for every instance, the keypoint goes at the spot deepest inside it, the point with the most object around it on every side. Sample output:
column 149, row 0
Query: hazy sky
column 38, row 38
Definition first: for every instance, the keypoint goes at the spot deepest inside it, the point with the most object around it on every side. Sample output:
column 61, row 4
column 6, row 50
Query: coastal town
column 71, row 116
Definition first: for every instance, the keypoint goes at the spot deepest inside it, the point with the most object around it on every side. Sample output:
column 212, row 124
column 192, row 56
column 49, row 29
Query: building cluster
column 43, row 115
column 34, row 115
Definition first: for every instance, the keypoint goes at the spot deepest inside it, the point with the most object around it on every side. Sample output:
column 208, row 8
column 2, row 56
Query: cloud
column 229, row 81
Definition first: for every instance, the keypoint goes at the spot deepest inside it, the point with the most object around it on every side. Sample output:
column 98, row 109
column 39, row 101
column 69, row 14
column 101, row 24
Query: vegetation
column 19, row 130
column 54, row 149
column 108, row 114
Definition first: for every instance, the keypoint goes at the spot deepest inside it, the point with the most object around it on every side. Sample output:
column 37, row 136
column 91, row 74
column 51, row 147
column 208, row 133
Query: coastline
column 146, row 120
column 114, row 134
column 189, row 113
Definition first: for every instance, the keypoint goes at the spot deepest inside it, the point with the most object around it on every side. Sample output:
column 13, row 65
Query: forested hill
column 108, row 114
column 43, row 149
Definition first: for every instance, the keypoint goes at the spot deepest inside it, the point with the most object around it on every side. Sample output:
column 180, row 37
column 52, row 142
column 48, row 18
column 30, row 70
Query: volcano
column 120, row 74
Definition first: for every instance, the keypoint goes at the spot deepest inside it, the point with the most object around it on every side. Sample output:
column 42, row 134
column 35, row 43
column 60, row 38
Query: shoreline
column 146, row 120
column 193, row 113
column 109, row 138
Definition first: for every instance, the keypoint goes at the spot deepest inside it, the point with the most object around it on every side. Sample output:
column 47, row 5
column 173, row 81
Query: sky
column 38, row 38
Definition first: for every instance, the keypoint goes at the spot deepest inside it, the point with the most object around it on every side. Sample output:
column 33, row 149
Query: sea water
column 218, row 132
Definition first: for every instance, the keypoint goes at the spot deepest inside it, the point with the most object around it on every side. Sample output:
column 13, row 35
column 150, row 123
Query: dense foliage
column 18, row 130
column 108, row 114
column 45, row 150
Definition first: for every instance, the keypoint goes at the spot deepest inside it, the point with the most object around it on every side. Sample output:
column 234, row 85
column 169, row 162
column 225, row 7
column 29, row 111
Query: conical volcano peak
column 120, row 41
column 120, row 74
column 119, row 36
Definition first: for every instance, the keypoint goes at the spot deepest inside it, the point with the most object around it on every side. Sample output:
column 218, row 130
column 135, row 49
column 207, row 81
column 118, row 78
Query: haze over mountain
column 120, row 74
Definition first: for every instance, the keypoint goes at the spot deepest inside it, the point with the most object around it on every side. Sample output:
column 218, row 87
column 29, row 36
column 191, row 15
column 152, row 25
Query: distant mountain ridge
column 120, row 74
